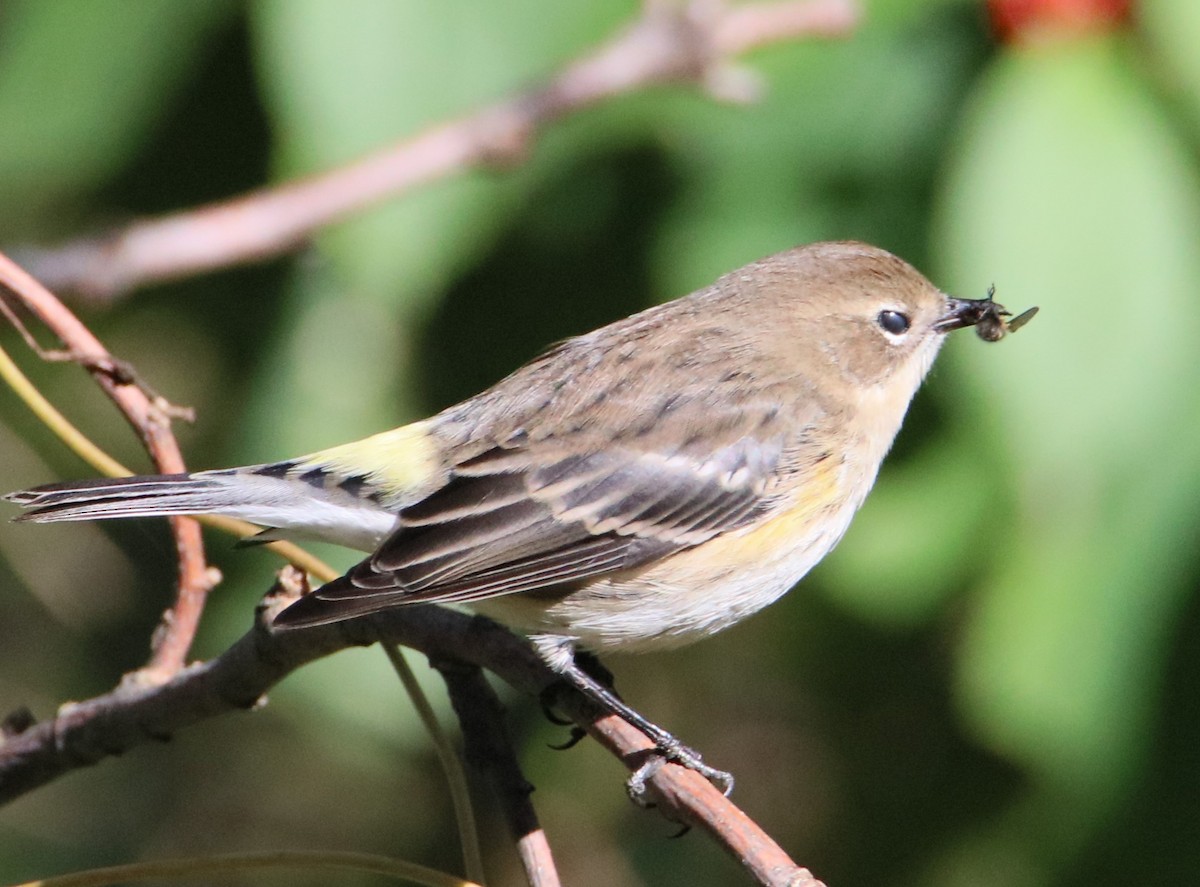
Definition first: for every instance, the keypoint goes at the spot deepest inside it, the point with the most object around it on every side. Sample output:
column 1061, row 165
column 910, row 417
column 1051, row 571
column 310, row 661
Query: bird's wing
column 512, row 520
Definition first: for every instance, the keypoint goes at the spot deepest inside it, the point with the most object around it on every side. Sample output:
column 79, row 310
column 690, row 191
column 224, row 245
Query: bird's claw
column 674, row 753
column 577, row 735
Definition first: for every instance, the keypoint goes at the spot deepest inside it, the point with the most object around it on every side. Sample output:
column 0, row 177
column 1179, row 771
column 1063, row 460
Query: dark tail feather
column 261, row 494
column 120, row 497
column 335, row 601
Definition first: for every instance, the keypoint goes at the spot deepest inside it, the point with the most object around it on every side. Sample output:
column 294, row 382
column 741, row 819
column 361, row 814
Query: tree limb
column 488, row 749
column 137, row 712
column 670, row 43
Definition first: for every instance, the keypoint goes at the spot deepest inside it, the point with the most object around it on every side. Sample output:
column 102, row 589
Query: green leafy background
column 992, row 682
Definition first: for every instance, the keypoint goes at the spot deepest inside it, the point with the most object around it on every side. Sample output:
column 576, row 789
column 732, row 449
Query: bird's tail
column 273, row 496
column 348, row 494
column 148, row 496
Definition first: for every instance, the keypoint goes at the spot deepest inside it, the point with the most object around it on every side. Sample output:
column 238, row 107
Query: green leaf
column 1070, row 190
column 343, row 79
column 837, row 148
column 1172, row 27
column 81, row 84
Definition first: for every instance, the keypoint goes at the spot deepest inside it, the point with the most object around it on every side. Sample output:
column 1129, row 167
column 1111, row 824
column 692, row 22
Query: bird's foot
column 547, row 701
column 670, row 750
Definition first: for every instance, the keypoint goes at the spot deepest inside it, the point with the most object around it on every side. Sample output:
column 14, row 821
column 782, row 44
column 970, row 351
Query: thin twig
column 670, row 43
column 152, row 423
column 83, row 447
column 693, row 801
column 154, row 672
column 121, row 371
column 75, row 440
column 134, row 714
column 456, row 777
column 242, row 863
column 488, row 748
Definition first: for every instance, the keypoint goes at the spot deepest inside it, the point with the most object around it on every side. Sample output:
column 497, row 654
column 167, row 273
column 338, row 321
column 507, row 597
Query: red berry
column 1015, row 20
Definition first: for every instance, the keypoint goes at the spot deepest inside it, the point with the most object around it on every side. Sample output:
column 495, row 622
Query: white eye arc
column 894, row 323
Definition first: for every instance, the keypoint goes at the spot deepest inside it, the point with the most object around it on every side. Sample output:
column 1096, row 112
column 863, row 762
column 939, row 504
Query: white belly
column 694, row 594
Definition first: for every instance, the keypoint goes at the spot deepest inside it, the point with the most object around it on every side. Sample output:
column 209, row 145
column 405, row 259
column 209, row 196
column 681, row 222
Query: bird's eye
column 893, row 322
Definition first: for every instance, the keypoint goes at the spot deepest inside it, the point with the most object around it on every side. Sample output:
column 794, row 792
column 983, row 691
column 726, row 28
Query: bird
column 638, row 487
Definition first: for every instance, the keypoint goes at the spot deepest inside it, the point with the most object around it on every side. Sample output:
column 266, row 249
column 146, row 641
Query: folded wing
column 506, row 523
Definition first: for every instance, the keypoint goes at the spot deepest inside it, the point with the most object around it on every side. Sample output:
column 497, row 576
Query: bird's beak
column 962, row 313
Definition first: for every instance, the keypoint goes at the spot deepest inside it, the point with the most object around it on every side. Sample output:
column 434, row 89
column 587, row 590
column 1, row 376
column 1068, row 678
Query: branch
column 692, row 42
column 488, row 747
column 150, row 418
column 134, row 713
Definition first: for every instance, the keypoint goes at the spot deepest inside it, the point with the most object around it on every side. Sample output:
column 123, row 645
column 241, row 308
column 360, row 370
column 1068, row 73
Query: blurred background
column 994, row 679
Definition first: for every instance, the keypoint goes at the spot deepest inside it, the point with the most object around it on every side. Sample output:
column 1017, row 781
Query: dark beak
column 962, row 313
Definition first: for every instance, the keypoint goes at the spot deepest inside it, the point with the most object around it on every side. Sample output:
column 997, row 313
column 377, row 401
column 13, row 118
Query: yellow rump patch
column 396, row 461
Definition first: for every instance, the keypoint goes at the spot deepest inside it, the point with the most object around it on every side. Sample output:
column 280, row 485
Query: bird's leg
column 560, row 655
column 590, row 664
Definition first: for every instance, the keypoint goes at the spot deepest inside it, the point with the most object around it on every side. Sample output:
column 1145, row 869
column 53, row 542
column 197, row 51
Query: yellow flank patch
column 794, row 527
column 396, row 461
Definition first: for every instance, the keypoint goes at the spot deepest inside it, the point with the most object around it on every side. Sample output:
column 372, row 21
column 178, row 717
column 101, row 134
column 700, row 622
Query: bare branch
column 488, row 748
column 670, row 42
column 687, row 797
column 136, row 712
column 150, row 416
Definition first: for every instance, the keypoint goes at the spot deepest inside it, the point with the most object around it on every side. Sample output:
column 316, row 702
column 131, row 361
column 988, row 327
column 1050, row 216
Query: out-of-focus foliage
column 992, row 681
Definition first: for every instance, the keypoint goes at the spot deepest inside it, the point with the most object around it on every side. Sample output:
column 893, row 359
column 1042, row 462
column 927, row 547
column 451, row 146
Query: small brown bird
column 634, row 488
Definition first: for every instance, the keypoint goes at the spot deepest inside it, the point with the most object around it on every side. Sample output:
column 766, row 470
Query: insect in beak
column 988, row 316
